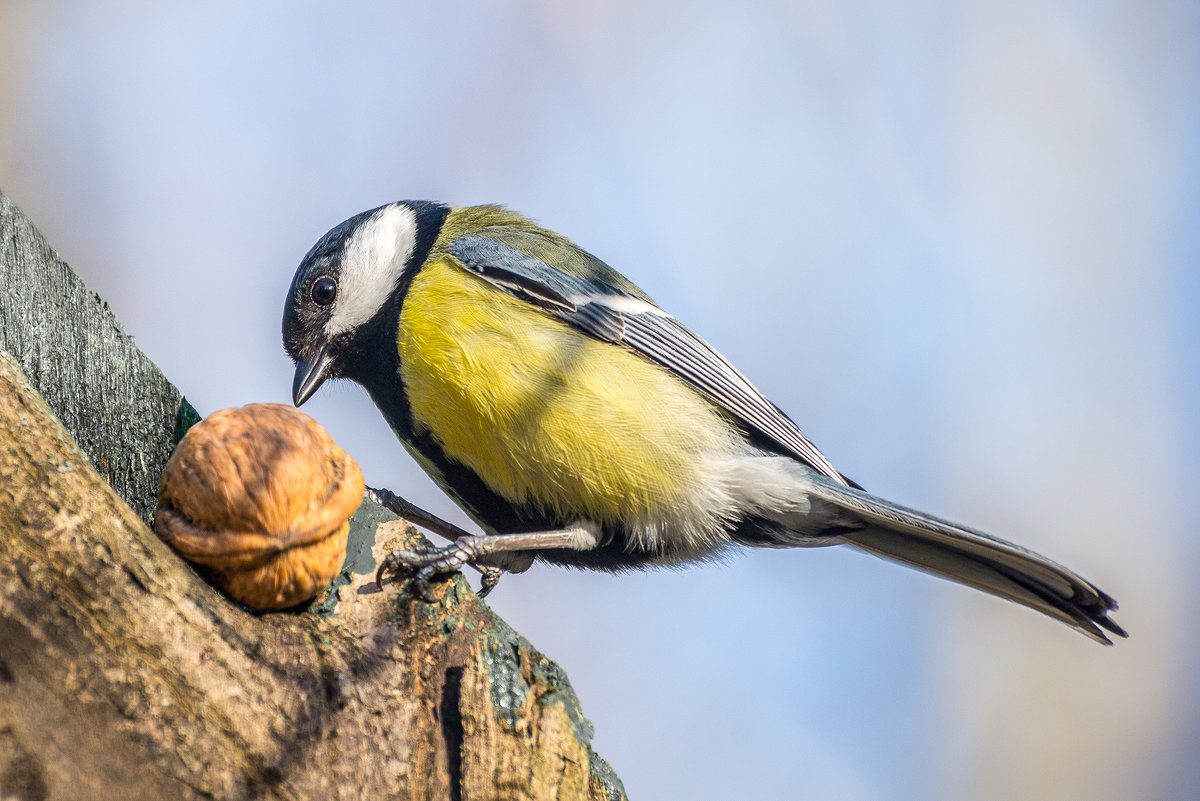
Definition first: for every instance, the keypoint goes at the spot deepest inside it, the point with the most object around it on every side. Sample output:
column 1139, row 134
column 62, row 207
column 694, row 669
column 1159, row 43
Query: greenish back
column 524, row 235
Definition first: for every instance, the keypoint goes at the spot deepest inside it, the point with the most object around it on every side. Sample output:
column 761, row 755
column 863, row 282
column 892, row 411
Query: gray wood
column 116, row 403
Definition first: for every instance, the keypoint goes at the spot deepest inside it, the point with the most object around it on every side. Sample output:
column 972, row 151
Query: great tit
column 577, row 422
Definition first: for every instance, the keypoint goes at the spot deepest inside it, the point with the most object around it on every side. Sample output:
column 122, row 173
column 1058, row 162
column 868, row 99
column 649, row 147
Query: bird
column 578, row 423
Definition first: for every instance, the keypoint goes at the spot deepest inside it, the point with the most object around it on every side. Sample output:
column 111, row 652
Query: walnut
column 261, row 496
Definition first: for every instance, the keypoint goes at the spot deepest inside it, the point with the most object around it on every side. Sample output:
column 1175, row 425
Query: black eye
column 324, row 291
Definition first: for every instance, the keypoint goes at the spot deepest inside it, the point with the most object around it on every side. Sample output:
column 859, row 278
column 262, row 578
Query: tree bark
column 124, row 675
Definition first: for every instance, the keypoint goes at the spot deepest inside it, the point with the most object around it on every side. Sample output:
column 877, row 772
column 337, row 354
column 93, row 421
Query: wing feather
column 602, row 311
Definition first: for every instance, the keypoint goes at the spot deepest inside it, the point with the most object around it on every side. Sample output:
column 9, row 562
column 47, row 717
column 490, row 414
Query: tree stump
column 124, row 675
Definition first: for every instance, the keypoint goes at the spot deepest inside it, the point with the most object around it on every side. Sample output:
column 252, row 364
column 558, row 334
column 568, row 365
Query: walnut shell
column 261, row 496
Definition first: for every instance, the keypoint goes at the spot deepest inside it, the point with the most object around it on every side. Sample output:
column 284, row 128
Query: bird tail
column 972, row 558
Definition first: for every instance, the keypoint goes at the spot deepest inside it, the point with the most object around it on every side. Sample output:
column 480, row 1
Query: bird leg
column 470, row 548
column 415, row 514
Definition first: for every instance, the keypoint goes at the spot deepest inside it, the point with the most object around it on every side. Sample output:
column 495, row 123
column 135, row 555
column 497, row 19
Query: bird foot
column 427, row 563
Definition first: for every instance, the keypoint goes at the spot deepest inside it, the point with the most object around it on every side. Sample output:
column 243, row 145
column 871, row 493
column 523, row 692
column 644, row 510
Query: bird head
column 343, row 305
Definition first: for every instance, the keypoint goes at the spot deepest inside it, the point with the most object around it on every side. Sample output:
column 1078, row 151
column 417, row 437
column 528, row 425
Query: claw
column 436, row 562
column 421, row 580
column 491, row 577
column 464, row 549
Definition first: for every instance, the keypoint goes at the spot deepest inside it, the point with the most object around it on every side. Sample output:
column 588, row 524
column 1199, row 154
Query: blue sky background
column 958, row 242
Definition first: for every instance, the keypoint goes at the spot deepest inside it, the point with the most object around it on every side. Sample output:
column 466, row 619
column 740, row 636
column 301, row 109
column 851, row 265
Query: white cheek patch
column 372, row 263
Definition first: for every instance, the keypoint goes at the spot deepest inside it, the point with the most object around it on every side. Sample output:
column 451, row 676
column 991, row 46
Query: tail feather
column 972, row 558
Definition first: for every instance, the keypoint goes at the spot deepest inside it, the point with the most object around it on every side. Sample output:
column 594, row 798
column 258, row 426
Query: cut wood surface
column 124, row 675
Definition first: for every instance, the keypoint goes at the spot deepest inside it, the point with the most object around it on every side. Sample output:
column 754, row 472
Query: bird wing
column 618, row 315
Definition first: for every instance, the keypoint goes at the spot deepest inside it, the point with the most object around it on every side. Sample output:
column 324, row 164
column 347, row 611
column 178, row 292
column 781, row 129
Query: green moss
column 185, row 418
column 502, row 661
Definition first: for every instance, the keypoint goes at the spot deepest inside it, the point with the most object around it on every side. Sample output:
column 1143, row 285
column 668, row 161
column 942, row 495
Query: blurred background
column 959, row 242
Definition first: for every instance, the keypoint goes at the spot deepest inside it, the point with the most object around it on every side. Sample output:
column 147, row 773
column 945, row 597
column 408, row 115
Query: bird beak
column 310, row 374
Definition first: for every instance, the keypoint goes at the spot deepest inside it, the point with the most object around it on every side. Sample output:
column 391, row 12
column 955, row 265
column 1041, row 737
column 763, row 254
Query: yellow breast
column 544, row 414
